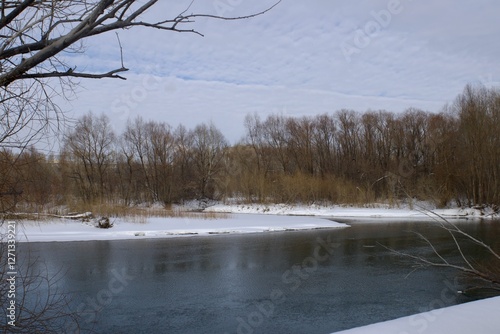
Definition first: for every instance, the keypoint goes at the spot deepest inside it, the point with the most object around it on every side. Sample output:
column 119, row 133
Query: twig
column 121, row 49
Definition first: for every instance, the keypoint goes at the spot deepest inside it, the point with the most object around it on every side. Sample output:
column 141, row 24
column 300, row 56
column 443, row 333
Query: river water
column 318, row 281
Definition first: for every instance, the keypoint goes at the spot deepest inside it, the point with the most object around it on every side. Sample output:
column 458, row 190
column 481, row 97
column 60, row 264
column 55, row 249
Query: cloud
column 177, row 101
column 291, row 60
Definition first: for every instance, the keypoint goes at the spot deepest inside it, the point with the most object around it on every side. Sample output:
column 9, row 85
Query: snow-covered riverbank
column 420, row 212
column 475, row 317
column 238, row 218
column 164, row 227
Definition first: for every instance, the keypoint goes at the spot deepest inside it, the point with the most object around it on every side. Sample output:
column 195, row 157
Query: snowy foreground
column 479, row 317
column 74, row 230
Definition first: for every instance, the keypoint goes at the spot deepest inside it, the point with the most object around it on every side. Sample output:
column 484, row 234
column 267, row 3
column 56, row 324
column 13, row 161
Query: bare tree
column 185, row 184
column 254, row 138
column 325, row 143
column 478, row 109
column 152, row 146
column 442, row 147
column 348, row 143
column 133, row 148
column 277, row 138
column 10, row 183
column 301, row 144
column 90, row 151
column 33, row 37
column 257, row 163
column 209, row 148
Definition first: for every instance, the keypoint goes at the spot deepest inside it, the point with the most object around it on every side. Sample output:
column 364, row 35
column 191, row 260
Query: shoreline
column 66, row 230
column 354, row 212
column 478, row 316
column 238, row 219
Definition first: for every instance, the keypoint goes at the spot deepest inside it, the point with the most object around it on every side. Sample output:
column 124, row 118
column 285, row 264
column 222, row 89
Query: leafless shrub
column 41, row 307
column 483, row 273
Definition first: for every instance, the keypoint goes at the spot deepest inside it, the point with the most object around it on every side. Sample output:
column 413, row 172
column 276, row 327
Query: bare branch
column 33, row 34
column 121, row 49
column 450, row 227
column 77, row 22
column 18, row 9
column 492, row 277
column 421, row 261
column 71, row 73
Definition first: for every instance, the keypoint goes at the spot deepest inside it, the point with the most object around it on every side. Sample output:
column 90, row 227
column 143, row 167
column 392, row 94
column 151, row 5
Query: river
column 318, row 281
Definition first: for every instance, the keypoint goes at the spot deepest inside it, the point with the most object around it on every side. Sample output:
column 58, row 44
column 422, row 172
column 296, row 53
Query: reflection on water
column 294, row 282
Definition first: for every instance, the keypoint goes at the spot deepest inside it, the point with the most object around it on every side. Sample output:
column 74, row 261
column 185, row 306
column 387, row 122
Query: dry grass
column 139, row 214
column 312, row 189
column 135, row 214
column 20, row 216
column 142, row 216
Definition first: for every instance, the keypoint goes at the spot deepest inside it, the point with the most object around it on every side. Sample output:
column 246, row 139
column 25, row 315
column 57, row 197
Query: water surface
column 283, row 282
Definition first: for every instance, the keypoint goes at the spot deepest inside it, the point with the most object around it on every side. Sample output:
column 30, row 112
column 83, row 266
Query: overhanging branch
column 70, row 73
column 79, row 23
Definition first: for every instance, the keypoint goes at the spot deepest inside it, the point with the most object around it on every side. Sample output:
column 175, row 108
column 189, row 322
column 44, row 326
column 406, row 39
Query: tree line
column 343, row 157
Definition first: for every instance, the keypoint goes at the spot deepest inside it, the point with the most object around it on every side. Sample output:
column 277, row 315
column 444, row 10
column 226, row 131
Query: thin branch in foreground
column 488, row 274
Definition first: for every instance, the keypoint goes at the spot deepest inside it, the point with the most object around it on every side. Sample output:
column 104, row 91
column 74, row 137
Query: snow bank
column 475, row 317
column 348, row 212
column 71, row 230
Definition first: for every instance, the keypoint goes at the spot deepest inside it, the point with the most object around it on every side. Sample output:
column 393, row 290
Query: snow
column 242, row 218
column 335, row 211
column 73, row 230
column 475, row 317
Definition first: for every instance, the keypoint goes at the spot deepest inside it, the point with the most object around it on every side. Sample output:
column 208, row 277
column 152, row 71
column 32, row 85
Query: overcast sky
column 302, row 58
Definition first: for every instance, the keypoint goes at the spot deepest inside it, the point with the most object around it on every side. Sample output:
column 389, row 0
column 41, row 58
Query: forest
column 346, row 157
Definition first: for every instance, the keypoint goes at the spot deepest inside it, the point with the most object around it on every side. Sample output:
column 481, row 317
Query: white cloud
column 186, row 102
column 290, row 60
